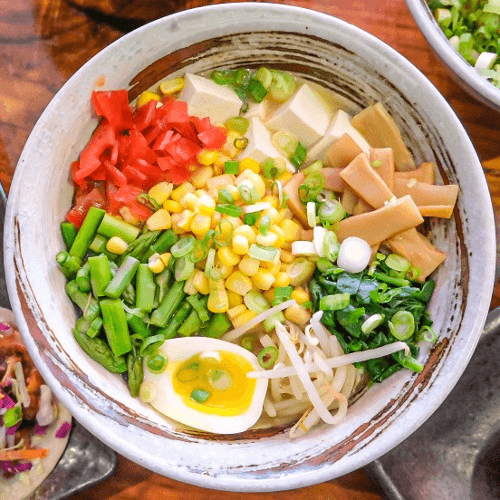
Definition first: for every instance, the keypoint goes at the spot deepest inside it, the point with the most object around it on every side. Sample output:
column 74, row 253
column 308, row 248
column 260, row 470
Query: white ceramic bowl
column 325, row 50
column 465, row 74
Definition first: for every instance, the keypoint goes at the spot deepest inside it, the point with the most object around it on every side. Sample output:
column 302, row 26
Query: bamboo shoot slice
column 424, row 194
column 343, row 151
column 382, row 160
column 348, row 200
column 291, row 189
column 366, row 182
column 375, row 227
column 426, row 172
column 442, row 211
column 332, row 179
column 380, row 130
column 418, row 250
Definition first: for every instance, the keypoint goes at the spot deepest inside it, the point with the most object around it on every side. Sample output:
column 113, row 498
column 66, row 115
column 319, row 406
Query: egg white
column 158, row 390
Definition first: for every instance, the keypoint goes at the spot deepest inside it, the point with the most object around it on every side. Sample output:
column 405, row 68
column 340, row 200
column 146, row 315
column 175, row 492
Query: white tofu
column 340, row 125
column 262, row 109
column 206, row 98
column 259, row 145
column 306, row 114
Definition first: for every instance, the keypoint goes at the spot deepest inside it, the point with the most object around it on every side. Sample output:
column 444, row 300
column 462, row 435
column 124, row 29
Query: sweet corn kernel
column 234, row 192
column 225, row 227
column 268, row 240
column 156, row 264
column 259, row 184
column 200, row 176
column 165, row 257
column 147, row 96
column 273, row 266
column 229, row 149
column 263, row 279
column 159, row 220
column 285, row 177
column 206, row 204
column 246, row 231
column 161, row 191
column 189, row 287
column 216, row 218
column 217, row 298
column 269, row 295
column 273, row 200
column 116, row 245
column 284, row 213
column 300, row 295
column 297, row 315
column 128, row 217
column 208, row 157
column 291, row 229
column 172, row 206
column 234, row 299
column 227, row 256
column 169, row 87
column 281, row 235
column 200, row 224
column 200, row 282
column 286, row 256
column 189, row 200
column 244, row 318
column 225, row 270
column 182, row 222
column 249, row 265
column 234, row 312
column 250, row 163
column 239, row 283
column 282, row 279
column 240, row 244
column 182, row 190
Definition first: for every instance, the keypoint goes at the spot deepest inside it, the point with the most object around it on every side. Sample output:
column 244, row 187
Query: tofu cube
column 206, row 98
column 340, row 125
column 306, row 114
column 259, row 145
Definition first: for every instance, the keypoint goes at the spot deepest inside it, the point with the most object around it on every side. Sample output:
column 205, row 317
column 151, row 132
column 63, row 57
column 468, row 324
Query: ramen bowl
column 462, row 71
column 360, row 69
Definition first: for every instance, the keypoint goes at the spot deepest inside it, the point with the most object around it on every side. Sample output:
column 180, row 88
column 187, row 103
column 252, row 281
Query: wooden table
column 43, row 42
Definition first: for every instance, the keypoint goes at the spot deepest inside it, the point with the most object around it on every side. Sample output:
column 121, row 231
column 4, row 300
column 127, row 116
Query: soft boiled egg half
column 202, row 382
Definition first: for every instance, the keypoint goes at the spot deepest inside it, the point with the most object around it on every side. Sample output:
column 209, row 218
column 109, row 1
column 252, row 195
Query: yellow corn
column 286, row 257
column 282, row 279
column 216, row 218
column 235, row 193
column 269, row 294
column 234, row 299
column 181, row 223
column 206, row 204
column 244, row 318
column 268, row 240
column 227, row 256
column 116, row 245
column 249, row 266
column 300, row 295
column 285, row 177
column 234, row 312
column 229, row 149
column 200, row 176
column 225, row 270
column 217, row 298
column 208, row 157
column 246, row 231
column 165, row 258
column 297, row 315
column 182, row 190
column 273, row 215
column 263, row 279
column 169, row 87
column 280, row 233
column 291, row 229
column 156, row 264
column 225, row 226
column 240, row 244
column 147, row 96
column 274, row 266
column 250, row 163
column 172, row 206
column 200, row 224
column 128, row 217
column 189, row 287
column 200, row 282
column 284, row 213
column 273, row 200
column 161, row 191
column 159, row 220
column 189, row 200
column 259, row 183
column 239, row 283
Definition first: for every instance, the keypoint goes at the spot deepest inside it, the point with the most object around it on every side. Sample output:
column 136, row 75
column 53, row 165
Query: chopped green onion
column 240, row 142
column 12, row 416
column 282, row 86
column 225, row 196
column 301, row 270
column 220, row 380
column 256, row 302
column 220, row 230
column 232, row 167
column 413, row 273
column 334, row 302
column 156, row 363
column 376, row 163
column 264, row 224
column 273, row 167
column 279, row 187
column 251, row 218
column 282, row 294
column 331, row 246
column 315, row 166
column 299, row 155
column 210, row 270
column 248, row 192
column 402, row 325
column 256, row 90
column 268, row 356
column 331, row 212
column 182, row 247
column 285, row 142
column 397, row 263
column 199, row 252
column 265, row 254
column 264, row 76
column 374, row 321
column 248, row 342
column 311, row 188
column 200, row 395
column 222, row 77
column 148, row 201
column 231, row 210
column 183, row 268
column 427, row 334
column 151, row 344
column 238, row 123
column 311, row 213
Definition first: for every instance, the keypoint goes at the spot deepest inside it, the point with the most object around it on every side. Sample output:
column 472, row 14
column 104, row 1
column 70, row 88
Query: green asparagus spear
column 85, row 301
column 168, row 305
column 122, row 278
column 135, row 372
column 86, row 232
column 170, row 331
column 115, row 326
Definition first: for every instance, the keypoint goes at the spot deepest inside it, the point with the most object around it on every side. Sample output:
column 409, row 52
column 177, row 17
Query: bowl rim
column 476, row 85
column 285, row 479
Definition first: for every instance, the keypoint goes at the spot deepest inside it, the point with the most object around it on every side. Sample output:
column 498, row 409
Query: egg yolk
column 215, row 382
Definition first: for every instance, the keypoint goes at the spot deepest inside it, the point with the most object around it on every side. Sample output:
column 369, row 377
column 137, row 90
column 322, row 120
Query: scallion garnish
column 232, row 167
column 268, row 356
column 231, row 210
column 200, row 395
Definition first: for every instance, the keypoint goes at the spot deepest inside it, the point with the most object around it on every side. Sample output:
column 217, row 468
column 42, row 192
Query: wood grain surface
column 43, row 42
